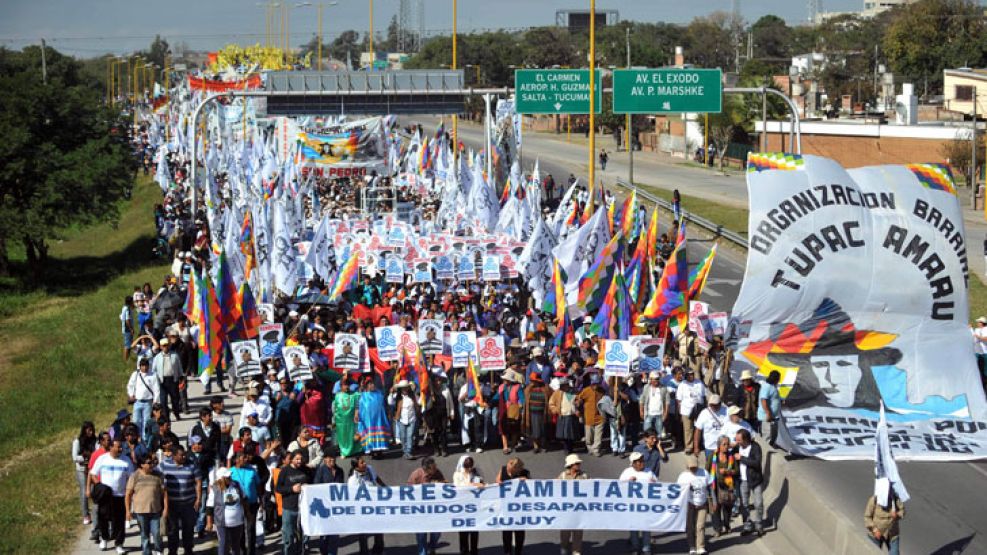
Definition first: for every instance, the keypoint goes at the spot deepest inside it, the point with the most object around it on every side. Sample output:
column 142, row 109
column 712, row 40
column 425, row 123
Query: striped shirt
column 179, row 481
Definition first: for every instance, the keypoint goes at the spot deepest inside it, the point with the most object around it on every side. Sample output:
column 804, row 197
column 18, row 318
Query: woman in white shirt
column 229, row 509
column 467, row 476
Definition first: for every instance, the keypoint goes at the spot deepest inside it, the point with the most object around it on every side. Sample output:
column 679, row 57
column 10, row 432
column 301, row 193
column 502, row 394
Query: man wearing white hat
column 734, row 424
column 747, row 397
column 571, row 541
column 583, row 332
column 640, row 541
column 709, row 425
column 653, row 403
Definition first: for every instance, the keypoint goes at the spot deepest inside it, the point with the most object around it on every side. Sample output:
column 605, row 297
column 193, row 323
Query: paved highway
column 945, row 513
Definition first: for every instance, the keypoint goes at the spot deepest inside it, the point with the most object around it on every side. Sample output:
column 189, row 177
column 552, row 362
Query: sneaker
column 693, row 552
column 87, row 521
column 102, row 545
column 479, row 449
column 121, row 550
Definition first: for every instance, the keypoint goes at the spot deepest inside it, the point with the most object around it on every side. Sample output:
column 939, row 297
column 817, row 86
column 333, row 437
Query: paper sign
column 271, row 338
column 394, row 269
column 296, row 361
column 346, row 351
column 246, row 359
column 616, row 355
column 491, row 267
column 444, row 268
column 387, row 342
column 430, row 336
column 492, row 353
column 462, row 344
column 422, row 272
column 466, row 270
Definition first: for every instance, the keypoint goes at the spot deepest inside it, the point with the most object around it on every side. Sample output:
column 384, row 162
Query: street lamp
column 319, row 6
column 268, row 20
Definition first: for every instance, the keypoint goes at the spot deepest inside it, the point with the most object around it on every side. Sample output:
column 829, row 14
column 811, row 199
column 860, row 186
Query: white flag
column 284, row 266
column 580, row 249
column 885, row 470
column 318, row 251
column 535, row 262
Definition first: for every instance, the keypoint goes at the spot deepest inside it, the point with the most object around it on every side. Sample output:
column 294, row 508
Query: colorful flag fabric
column 588, row 209
column 473, row 390
column 345, row 277
column 226, row 295
column 697, row 279
column 211, row 336
column 594, row 282
column 250, row 320
column 627, row 217
column 555, row 303
column 613, row 320
column 670, row 296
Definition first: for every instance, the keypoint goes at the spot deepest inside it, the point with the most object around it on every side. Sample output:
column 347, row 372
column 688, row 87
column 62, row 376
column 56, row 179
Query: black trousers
column 467, row 542
column 111, row 513
column 169, row 392
column 513, row 541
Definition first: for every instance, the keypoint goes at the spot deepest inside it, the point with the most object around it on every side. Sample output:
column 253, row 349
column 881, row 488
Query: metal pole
column 455, row 118
column 44, row 64
column 195, row 134
column 372, row 57
column 630, row 124
column 706, row 140
column 319, row 61
column 973, row 155
column 763, row 139
column 592, row 94
column 486, row 133
column 796, row 128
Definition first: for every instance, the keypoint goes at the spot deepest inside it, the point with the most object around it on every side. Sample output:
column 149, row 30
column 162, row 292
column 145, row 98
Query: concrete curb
column 804, row 518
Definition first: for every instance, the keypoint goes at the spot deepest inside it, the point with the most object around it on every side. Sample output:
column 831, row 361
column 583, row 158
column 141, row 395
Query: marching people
column 289, row 485
column 691, row 398
column 428, row 473
column 184, row 485
column 723, row 467
column 640, row 541
column 143, row 391
column 751, row 483
column 167, row 366
column 467, row 475
column 363, row 473
column 107, row 488
column 535, row 409
column 571, row 541
column 229, row 512
column 513, row 540
column 696, row 486
column 147, row 500
column 882, row 520
column 769, row 407
column 329, row 473
column 83, row 447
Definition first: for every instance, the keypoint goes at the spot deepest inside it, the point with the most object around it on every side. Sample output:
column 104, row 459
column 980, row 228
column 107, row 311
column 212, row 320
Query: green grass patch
column 62, row 364
column 978, row 297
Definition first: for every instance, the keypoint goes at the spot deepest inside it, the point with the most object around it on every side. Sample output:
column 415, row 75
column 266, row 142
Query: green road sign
column 662, row 91
column 555, row 91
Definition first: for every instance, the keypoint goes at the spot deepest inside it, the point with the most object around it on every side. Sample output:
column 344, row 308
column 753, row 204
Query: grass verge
column 61, row 365
column 734, row 219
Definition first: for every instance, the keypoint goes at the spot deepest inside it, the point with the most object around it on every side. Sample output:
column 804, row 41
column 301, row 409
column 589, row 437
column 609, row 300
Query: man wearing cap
column 640, row 541
column 167, row 366
column 709, row 426
column 734, row 424
column 143, row 390
column 746, row 398
column 540, row 365
column 571, row 541
column 653, row 405
column 690, row 396
column 582, row 333
column 696, row 484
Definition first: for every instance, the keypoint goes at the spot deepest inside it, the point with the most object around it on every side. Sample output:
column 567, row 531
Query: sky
column 87, row 28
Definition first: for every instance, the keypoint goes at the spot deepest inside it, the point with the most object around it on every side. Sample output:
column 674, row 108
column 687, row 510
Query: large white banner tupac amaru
column 856, row 293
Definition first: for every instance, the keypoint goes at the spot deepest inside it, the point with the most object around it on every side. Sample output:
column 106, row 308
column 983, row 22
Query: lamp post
column 455, row 117
column 592, row 94
column 319, row 7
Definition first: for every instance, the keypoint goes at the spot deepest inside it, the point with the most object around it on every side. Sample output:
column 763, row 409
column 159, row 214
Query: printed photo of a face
column 832, row 361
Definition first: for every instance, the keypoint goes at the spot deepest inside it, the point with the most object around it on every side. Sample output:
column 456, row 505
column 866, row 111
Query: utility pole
column 630, row 125
column 973, row 155
column 592, row 95
column 44, row 64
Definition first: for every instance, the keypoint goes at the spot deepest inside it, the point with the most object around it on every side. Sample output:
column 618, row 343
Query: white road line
column 977, row 468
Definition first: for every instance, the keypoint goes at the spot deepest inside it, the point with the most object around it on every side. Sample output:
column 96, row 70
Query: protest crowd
column 376, row 316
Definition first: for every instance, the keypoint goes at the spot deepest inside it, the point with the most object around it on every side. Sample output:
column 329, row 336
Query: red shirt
column 96, row 454
column 313, row 410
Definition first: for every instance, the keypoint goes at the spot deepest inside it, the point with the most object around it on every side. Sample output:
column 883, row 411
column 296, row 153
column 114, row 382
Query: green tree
column 548, row 46
column 156, row 53
column 348, row 45
column 712, row 40
column 726, row 127
column 65, row 159
column 929, row 36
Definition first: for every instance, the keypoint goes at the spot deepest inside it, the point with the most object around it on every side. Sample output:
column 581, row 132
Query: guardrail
column 713, row 227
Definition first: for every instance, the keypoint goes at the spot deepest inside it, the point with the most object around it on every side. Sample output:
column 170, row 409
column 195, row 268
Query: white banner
column 855, row 293
column 514, row 505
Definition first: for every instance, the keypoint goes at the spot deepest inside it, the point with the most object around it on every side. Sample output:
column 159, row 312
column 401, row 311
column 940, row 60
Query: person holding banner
column 362, row 473
column 696, row 484
column 881, row 521
column 467, row 476
column 640, row 541
column 513, row 540
column 429, row 473
column 571, row 541
column 329, row 473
